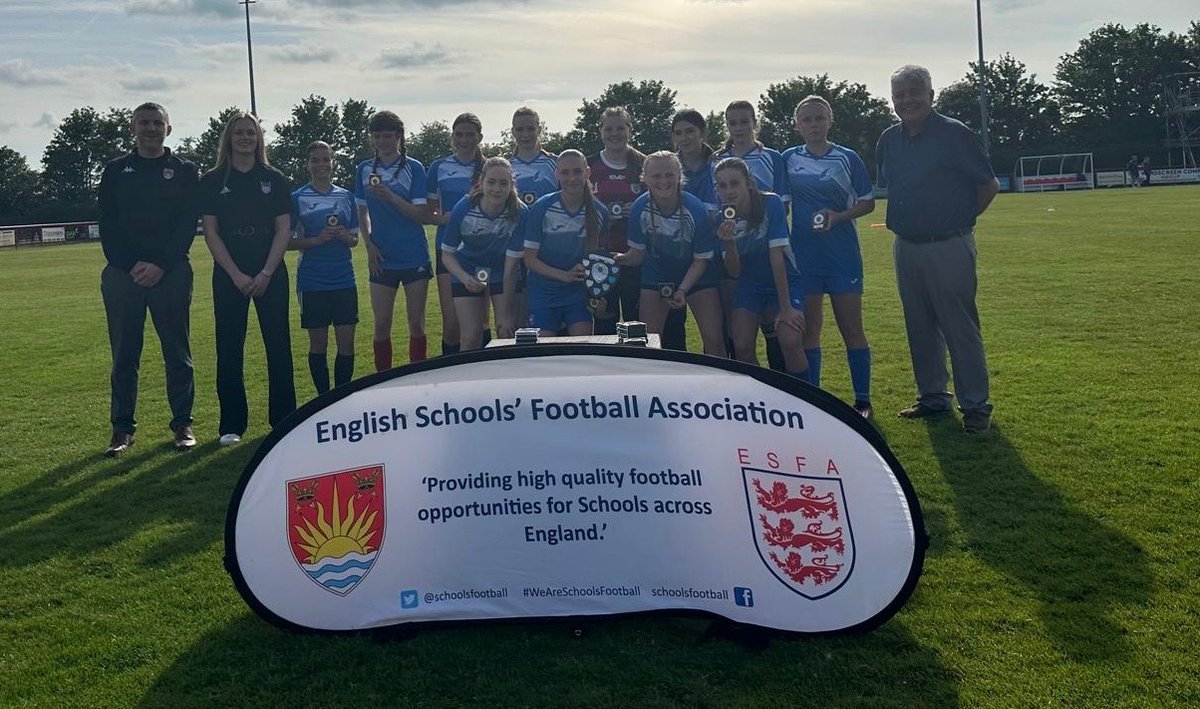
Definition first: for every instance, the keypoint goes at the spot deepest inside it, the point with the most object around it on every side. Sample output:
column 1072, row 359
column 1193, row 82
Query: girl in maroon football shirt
column 616, row 172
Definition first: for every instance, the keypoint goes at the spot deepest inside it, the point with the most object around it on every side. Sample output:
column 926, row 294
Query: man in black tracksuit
column 147, row 224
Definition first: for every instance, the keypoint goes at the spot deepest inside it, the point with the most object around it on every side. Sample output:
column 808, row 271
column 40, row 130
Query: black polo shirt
column 245, row 205
column 147, row 210
column 931, row 177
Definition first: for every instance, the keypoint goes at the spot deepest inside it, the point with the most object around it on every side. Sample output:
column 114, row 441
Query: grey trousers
column 937, row 290
column 169, row 303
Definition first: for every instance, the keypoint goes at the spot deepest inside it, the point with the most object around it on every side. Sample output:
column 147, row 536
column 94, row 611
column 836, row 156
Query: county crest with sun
column 335, row 525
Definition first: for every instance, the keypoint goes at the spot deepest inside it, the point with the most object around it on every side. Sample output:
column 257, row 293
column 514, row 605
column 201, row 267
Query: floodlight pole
column 250, row 54
column 983, row 113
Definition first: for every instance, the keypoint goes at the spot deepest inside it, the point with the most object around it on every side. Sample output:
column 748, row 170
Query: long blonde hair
column 225, row 151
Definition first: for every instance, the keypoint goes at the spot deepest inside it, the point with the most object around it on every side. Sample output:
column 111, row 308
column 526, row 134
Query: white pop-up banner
column 575, row 480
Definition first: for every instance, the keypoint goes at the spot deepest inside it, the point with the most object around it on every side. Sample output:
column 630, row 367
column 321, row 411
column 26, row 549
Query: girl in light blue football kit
column 767, row 169
column 324, row 228
column 481, row 248
column 450, row 179
column 688, row 133
column 671, row 238
column 390, row 190
column 757, row 252
column 831, row 181
column 560, row 229
column 533, row 166
column 765, row 164
column 536, row 173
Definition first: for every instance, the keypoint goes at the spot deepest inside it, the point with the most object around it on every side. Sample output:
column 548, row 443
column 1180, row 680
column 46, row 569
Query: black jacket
column 148, row 210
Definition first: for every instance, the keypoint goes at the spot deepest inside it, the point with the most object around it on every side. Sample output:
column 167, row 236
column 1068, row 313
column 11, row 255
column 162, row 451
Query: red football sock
column 416, row 348
column 383, row 354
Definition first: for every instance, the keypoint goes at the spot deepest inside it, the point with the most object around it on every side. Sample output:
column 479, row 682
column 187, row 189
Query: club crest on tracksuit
column 801, row 529
column 265, row 186
column 335, row 525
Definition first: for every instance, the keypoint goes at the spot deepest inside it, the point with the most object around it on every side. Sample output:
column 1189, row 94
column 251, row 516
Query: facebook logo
column 743, row 596
column 410, row 598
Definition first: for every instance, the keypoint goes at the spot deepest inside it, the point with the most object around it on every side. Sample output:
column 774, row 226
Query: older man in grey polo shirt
column 939, row 179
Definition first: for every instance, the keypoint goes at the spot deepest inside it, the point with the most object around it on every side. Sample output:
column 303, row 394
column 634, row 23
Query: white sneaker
column 230, row 439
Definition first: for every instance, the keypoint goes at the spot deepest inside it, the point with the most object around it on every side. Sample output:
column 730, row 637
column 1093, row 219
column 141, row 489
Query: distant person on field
column 147, row 224
column 325, row 223
column 246, row 209
column 1146, row 171
column 1132, row 168
column 939, row 180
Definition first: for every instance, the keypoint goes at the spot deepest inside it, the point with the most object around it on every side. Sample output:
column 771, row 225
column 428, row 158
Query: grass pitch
column 1064, row 567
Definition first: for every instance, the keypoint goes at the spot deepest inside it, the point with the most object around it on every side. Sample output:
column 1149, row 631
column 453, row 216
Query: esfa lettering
column 787, row 462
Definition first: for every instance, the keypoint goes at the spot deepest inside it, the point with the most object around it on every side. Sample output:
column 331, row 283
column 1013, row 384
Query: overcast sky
column 432, row 59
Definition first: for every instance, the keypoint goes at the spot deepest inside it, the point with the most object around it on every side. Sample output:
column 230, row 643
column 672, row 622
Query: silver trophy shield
column 600, row 273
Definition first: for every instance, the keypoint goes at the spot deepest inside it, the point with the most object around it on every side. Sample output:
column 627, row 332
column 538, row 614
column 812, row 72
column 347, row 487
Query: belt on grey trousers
column 935, row 236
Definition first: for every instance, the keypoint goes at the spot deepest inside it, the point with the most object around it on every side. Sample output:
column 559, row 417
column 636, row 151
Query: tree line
column 1106, row 98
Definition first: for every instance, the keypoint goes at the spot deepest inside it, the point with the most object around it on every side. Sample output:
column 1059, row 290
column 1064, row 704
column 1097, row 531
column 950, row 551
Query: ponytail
column 478, row 164
column 591, row 228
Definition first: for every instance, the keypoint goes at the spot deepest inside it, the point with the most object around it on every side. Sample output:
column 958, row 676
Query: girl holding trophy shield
column 615, row 171
column 561, row 228
column 758, row 253
column 481, row 248
column 450, row 178
column 325, row 227
column 830, row 187
column 671, row 238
